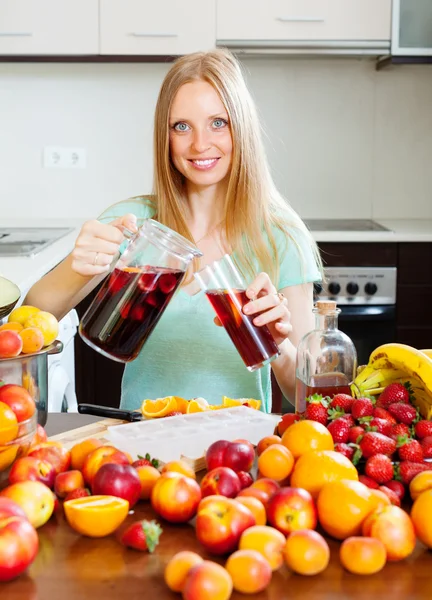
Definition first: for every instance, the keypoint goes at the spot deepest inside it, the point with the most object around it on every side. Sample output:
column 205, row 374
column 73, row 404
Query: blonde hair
column 253, row 206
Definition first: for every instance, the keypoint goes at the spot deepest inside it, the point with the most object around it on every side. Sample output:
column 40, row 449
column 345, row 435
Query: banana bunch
column 391, row 363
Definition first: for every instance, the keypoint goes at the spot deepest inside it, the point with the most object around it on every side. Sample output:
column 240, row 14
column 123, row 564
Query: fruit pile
column 174, row 405
column 27, row 330
column 17, row 409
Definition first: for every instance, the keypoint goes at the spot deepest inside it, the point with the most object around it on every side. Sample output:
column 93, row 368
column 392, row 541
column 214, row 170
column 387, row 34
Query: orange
column 148, row 476
column 182, row 404
column 256, row 507
column 80, row 451
column 306, row 552
column 231, row 402
column 276, row 462
column 178, row 567
column 343, row 506
column 158, row 408
column 267, row 540
column 304, row 436
column 250, row 571
column 314, row 469
column 8, row 424
column 7, row 455
column 362, row 555
column 179, row 466
column 12, row 327
column 267, row 441
column 194, row 406
column 22, row 313
column 420, row 483
column 421, row 516
column 33, row 340
column 47, row 323
column 96, row 516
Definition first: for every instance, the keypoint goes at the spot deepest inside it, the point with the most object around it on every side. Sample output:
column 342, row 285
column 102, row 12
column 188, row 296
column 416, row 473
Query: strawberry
column 339, row 430
column 407, row 470
column 349, row 419
column 397, row 487
column 426, row 445
column 376, row 424
column 345, row 449
column 379, row 468
column 403, row 413
column 423, row 429
column 382, row 413
column 395, row 392
column 141, row 535
column 286, row 421
column 174, row 413
column 370, row 483
column 342, row 401
column 362, row 407
column 391, row 495
column 316, row 409
column 376, row 443
column 409, row 449
column 146, row 461
column 355, row 433
column 78, row 493
column 400, row 430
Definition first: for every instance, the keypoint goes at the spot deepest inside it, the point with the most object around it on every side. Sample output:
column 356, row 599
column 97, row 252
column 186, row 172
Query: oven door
column 368, row 327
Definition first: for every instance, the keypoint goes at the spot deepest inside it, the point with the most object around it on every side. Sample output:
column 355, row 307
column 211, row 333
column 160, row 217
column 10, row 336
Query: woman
column 211, row 184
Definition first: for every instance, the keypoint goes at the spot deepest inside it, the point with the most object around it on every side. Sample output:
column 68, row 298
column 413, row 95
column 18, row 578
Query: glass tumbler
column 225, row 288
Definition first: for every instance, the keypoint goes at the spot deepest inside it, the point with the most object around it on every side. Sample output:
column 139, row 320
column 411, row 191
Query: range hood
column 347, row 48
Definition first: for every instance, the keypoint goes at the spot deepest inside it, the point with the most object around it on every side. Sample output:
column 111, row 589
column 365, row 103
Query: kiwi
column 9, row 296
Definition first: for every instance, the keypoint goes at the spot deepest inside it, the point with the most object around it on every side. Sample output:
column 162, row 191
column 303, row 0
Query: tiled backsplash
column 343, row 139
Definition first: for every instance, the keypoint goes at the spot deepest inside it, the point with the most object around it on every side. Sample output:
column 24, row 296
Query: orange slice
column 7, row 456
column 96, row 516
column 158, row 408
column 195, row 406
column 229, row 402
column 182, row 404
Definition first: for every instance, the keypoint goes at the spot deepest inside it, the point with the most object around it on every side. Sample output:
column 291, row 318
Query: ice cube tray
column 190, row 435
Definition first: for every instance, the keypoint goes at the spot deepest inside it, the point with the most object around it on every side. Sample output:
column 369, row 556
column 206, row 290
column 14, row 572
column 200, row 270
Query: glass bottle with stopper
column 326, row 358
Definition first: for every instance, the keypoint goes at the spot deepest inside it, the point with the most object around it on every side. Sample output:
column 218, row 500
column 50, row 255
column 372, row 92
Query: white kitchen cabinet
column 166, row 27
column 304, row 23
column 49, row 27
column 412, row 28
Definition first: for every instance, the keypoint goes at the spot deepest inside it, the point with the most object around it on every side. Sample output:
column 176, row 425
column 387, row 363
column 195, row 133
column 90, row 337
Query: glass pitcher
column 138, row 289
column 326, row 358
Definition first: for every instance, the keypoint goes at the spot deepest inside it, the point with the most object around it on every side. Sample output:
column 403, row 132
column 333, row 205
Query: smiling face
column 200, row 136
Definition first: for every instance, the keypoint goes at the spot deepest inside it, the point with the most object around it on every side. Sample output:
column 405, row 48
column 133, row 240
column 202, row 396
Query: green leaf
column 152, row 531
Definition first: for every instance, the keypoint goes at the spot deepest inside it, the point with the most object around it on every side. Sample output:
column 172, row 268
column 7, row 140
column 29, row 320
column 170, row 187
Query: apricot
column 362, row 555
column 276, row 462
column 306, row 552
column 420, row 483
column 262, row 496
column 179, row 466
column 394, row 528
column 148, row 476
column 267, row 441
column 101, row 456
column 268, row 541
column 12, row 327
column 207, row 581
column 269, row 486
column 67, row 482
column 81, row 450
column 10, row 344
column 33, row 340
column 250, row 571
column 255, row 506
column 178, row 567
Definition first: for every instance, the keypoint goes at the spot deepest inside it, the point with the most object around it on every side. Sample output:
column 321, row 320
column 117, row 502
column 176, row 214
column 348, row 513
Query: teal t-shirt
column 187, row 355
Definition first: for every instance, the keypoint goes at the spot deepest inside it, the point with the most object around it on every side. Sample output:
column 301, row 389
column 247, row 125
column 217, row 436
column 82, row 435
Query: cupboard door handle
column 153, row 35
column 300, row 19
column 15, row 34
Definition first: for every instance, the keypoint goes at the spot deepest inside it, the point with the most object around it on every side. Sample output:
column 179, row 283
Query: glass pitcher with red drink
column 326, row 358
column 225, row 289
column 137, row 291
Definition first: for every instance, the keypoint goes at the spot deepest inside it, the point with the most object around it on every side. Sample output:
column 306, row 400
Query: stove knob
column 371, row 289
column 334, row 288
column 352, row 289
column 317, row 288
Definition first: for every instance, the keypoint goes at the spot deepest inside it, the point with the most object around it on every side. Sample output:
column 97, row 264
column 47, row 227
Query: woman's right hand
column 98, row 243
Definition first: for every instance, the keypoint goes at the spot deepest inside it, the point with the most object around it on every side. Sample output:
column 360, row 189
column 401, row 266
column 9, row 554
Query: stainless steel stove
column 344, row 225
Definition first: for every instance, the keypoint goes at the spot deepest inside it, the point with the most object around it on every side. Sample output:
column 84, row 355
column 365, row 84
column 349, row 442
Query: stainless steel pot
column 31, row 371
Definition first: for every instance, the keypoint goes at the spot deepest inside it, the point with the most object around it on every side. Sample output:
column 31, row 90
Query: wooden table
column 72, row 567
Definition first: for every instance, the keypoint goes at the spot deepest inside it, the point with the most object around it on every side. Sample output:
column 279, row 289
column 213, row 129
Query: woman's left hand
column 270, row 307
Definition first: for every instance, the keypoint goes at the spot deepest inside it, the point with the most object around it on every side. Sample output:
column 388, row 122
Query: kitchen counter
column 70, row 566
column 26, row 271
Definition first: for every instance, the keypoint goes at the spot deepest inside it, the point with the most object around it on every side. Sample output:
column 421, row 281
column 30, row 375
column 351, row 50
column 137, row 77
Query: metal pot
column 31, row 371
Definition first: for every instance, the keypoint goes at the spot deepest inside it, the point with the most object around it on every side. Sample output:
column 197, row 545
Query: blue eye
column 181, row 127
column 219, row 123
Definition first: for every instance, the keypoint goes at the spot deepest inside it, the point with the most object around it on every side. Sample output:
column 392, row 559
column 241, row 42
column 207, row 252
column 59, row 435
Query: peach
column 41, row 436
column 255, row 506
column 81, row 450
column 19, row 544
column 9, row 508
column 148, row 476
column 19, row 400
column 68, row 481
column 394, row 528
column 306, row 552
column 269, row 486
column 175, row 497
column 250, row 571
column 30, row 468
column 10, row 344
column 239, row 456
column 207, row 581
column 35, row 498
column 362, row 555
column 180, row 466
column 102, row 456
column 268, row 541
column 267, row 441
column 33, row 340
column 291, row 509
column 178, row 568
column 54, row 453
column 254, row 492
column 221, row 480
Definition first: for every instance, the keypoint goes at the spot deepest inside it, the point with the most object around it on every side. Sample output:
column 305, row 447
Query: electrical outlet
column 57, row 157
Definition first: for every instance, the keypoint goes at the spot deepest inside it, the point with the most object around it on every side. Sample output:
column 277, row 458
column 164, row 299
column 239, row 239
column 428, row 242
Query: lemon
column 22, row 313
column 47, row 323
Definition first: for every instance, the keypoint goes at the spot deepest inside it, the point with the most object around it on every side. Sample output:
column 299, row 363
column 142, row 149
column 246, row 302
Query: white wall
column 343, row 139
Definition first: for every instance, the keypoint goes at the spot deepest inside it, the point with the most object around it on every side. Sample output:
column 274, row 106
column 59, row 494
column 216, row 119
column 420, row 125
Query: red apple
column 215, row 454
column 246, row 479
column 291, row 509
column 175, row 497
column 223, row 481
column 239, row 456
column 68, row 482
column 9, row 508
column 117, row 480
column 19, row 545
column 19, row 400
column 102, row 456
column 30, row 468
column 220, row 523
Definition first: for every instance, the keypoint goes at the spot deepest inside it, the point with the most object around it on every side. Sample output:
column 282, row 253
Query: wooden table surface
column 73, row 567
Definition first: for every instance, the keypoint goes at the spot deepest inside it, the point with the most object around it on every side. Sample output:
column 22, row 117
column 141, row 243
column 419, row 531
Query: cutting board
column 99, row 430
